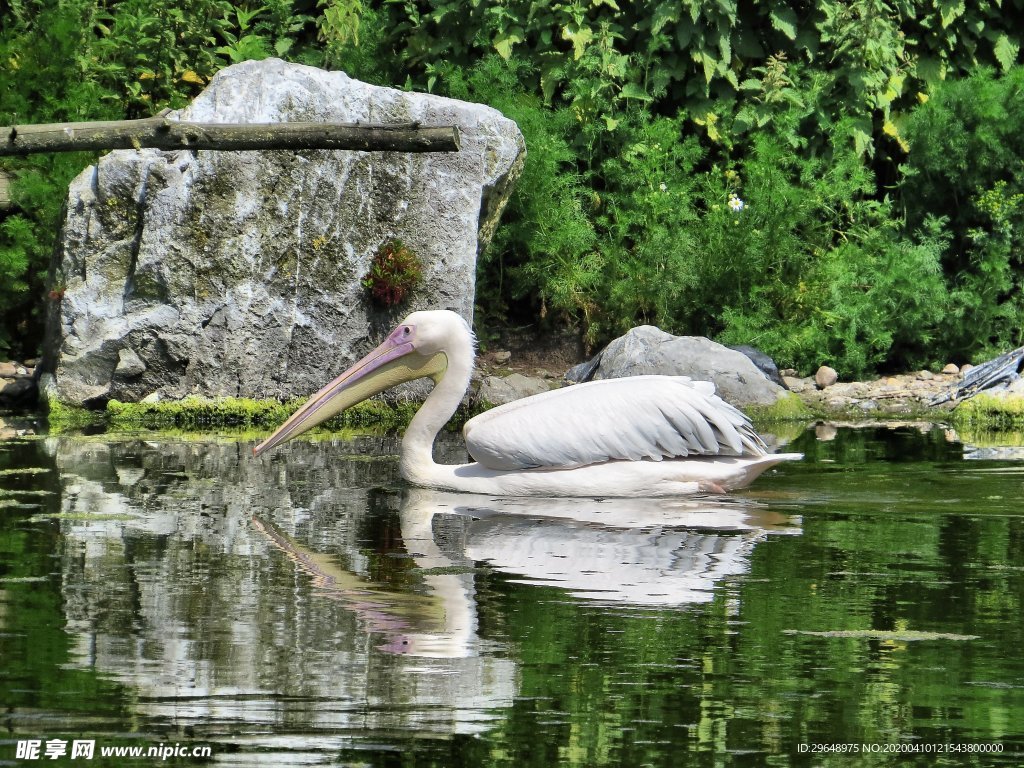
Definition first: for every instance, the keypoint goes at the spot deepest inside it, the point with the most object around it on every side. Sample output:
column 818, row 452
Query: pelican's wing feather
column 632, row 418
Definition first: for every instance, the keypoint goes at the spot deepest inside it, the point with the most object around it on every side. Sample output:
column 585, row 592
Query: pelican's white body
column 671, row 477
column 631, row 437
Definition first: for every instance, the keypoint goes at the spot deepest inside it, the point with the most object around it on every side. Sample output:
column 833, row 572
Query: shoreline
column 881, row 402
column 901, row 398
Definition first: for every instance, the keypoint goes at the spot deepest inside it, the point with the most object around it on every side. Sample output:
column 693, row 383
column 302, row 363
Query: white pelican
column 635, row 436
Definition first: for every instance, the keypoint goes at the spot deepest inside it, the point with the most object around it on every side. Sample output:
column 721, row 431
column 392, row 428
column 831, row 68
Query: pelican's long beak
column 393, row 362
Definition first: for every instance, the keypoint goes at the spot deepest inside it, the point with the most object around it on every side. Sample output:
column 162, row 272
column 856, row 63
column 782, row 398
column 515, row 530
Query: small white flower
column 736, row 204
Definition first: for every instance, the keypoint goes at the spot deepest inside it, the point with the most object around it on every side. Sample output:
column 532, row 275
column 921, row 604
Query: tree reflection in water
column 290, row 593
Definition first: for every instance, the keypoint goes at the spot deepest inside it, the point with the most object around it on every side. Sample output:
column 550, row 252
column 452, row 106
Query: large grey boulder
column 238, row 273
column 649, row 350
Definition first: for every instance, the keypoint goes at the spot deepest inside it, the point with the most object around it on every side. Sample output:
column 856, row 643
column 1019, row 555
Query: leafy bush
column 603, row 58
column 966, row 163
column 834, row 181
column 543, row 256
column 805, row 262
column 71, row 60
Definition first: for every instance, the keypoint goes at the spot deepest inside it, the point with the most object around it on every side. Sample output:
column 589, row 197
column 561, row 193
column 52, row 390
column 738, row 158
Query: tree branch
column 160, row 133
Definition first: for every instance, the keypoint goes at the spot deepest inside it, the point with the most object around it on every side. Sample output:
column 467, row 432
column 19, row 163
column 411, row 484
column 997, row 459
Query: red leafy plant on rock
column 394, row 272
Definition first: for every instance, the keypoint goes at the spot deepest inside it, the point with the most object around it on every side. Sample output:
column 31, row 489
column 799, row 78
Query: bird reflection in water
column 652, row 552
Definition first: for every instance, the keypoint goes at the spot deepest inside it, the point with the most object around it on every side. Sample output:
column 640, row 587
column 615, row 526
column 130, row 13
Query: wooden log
column 999, row 370
column 5, row 191
column 162, row 133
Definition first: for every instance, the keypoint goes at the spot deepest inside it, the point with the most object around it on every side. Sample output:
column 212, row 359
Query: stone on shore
column 649, row 350
column 18, row 387
column 825, row 377
column 239, row 273
column 498, row 390
column 763, row 362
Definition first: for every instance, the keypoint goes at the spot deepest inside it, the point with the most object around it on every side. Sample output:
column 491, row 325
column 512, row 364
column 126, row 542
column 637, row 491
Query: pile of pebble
column 900, row 395
column 17, row 384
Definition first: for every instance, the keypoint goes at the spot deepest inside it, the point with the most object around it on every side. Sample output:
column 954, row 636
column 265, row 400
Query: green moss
column 238, row 415
column 987, row 412
column 789, row 407
column 198, row 413
column 62, row 417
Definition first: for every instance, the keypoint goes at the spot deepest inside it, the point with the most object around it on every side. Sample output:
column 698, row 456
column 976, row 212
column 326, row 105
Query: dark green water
column 307, row 609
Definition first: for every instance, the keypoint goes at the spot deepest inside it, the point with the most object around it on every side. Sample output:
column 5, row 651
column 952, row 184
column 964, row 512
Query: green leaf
column 709, row 63
column 950, row 11
column 746, row 45
column 725, row 48
column 930, row 69
column 684, row 33
column 860, row 132
column 504, row 43
column 634, row 91
column 580, row 38
column 784, row 20
column 1006, row 51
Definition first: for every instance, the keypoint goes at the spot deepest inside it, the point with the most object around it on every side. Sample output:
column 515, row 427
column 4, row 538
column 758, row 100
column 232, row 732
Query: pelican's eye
column 406, row 331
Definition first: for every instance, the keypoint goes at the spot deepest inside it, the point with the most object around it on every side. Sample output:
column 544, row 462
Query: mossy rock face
column 238, row 274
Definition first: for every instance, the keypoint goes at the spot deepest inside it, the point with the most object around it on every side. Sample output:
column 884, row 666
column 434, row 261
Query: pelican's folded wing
column 632, row 418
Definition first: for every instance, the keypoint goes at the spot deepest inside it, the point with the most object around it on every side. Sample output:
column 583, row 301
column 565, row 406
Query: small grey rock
column 498, row 390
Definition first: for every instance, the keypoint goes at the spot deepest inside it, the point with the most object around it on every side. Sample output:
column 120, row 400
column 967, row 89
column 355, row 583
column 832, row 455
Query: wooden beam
column 161, row 133
column 5, row 191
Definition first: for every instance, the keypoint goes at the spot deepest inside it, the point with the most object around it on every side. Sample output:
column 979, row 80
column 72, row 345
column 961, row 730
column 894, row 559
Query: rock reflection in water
column 170, row 587
column 286, row 592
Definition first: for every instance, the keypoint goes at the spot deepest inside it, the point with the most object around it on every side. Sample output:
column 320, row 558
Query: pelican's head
column 419, row 347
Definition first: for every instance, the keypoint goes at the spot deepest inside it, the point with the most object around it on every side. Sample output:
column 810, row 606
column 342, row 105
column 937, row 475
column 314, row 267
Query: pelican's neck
column 418, row 442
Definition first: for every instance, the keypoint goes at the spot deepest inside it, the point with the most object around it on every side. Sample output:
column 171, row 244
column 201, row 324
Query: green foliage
column 966, row 163
column 42, row 79
column 356, row 44
column 70, row 60
column 835, row 181
column 602, row 58
column 543, row 254
column 802, row 262
column 988, row 412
